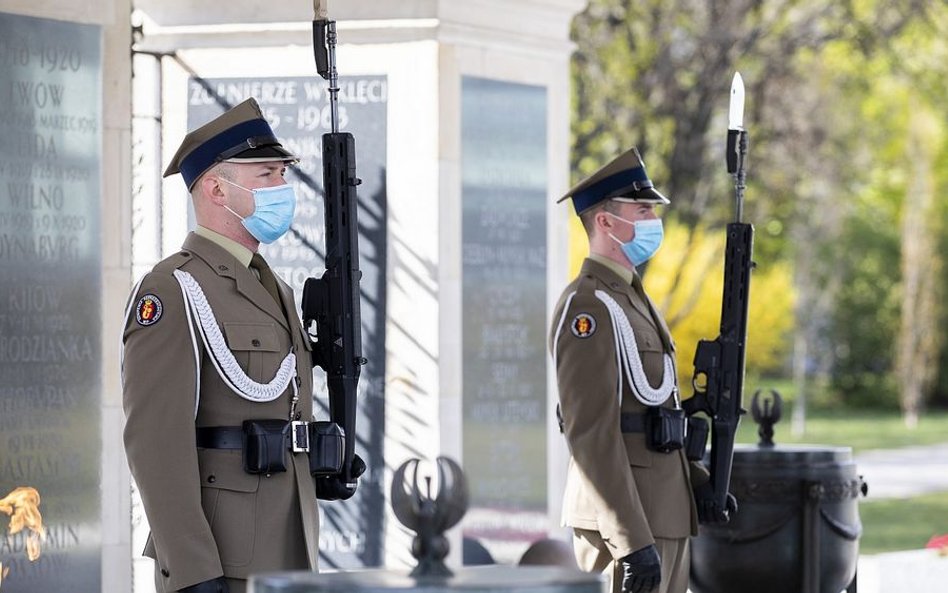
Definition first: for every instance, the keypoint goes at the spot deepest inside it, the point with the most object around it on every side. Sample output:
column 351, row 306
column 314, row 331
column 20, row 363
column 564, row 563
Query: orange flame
column 23, row 507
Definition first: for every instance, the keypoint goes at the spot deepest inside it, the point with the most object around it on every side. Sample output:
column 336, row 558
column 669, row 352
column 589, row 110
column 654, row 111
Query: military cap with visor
column 624, row 180
column 239, row 135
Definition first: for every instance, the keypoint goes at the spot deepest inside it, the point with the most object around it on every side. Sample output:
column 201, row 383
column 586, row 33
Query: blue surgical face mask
column 273, row 212
column 647, row 239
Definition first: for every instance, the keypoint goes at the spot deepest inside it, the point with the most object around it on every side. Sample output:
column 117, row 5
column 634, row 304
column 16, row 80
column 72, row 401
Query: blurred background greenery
column 847, row 115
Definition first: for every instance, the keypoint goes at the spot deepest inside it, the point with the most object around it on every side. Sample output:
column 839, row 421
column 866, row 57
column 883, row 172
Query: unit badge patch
column 148, row 311
column 583, row 325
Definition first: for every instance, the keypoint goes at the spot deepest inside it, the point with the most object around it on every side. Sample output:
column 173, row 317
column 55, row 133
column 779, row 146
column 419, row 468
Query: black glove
column 334, row 488
column 641, row 570
column 708, row 510
column 218, row 585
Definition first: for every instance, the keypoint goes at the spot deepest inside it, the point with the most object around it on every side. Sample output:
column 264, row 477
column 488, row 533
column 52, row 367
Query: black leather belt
column 232, row 437
column 220, row 437
column 630, row 422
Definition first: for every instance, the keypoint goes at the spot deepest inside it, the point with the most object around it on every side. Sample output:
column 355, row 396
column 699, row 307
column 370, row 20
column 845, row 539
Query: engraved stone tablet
column 50, row 301
column 504, row 195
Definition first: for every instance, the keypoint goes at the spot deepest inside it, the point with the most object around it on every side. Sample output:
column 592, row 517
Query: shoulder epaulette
column 173, row 262
column 586, row 283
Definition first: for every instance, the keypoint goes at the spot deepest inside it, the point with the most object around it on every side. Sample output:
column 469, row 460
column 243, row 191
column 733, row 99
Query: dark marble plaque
column 50, row 301
column 351, row 533
column 504, row 181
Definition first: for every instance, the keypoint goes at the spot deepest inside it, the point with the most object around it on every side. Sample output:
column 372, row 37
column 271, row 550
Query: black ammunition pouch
column 697, row 438
column 265, row 445
column 327, row 448
column 664, row 429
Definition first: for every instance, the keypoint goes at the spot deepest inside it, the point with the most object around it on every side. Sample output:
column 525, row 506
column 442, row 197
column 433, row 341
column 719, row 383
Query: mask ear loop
column 226, row 207
column 234, row 184
column 616, row 239
column 632, row 222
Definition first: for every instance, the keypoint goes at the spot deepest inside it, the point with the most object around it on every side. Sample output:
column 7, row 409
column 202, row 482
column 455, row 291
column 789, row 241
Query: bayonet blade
column 735, row 119
column 320, row 10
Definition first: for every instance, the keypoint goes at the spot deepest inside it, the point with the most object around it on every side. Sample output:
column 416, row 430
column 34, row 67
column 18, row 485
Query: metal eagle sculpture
column 429, row 517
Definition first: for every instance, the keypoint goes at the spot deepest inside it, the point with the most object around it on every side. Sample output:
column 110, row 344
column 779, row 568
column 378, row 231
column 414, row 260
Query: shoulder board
column 173, row 262
column 586, row 283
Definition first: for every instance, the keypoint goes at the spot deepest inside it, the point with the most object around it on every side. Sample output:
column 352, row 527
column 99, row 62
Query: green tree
column 825, row 190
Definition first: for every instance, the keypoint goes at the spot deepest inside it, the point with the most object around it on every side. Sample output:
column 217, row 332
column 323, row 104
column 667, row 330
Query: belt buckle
column 299, row 436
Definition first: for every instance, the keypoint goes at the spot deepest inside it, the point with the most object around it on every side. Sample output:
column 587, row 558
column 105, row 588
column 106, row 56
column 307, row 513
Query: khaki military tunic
column 207, row 516
column 615, row 486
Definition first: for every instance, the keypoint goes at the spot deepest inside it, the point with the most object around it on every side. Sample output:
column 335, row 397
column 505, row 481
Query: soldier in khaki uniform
column 212, row 339
column 631, row 507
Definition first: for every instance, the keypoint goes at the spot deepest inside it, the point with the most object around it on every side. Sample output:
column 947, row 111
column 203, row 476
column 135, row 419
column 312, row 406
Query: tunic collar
column 232, row 247
column 621, row 271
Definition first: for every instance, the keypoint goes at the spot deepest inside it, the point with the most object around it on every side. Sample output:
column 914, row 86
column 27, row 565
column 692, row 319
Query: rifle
column 721, row 361
column 332, row 300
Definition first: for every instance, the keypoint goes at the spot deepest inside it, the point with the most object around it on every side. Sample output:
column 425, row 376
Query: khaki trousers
column 592, row 555
column 234, row 585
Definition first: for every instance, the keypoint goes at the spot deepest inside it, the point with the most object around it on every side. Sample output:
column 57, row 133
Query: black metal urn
column 797, row 527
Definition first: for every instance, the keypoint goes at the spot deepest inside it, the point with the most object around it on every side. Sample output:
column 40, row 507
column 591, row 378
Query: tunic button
column 211, row 479
column 165, row 573
column 255, row 342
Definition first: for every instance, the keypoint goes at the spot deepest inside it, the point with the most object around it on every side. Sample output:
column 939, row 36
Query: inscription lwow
column 27, row 93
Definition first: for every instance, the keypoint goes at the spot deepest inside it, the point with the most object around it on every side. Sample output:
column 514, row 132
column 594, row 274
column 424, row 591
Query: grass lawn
column 902, row 524
column 860, row 430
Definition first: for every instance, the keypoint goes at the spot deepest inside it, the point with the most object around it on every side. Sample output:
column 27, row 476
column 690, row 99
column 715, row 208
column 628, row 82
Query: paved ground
column 916, row 571
column 901, row 473
column 898, row 473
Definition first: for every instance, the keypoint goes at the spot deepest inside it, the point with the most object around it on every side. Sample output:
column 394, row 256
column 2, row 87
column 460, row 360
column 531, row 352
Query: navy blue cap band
column 205, row 155
column 611, row 187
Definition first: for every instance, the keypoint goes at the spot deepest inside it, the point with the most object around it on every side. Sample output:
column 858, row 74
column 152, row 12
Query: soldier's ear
column 603, row 221
column 212, row 189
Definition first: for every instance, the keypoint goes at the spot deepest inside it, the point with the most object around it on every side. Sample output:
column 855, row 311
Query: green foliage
column 866, row 317
column 691, row 304
column 940, row 395
column 833, row 92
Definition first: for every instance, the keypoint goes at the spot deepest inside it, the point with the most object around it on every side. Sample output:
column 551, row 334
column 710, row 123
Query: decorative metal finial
column 430, row 517
column 767, row 417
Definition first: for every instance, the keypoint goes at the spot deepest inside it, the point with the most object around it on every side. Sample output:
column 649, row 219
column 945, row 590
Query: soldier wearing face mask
column 629, row 493
column 212, row 342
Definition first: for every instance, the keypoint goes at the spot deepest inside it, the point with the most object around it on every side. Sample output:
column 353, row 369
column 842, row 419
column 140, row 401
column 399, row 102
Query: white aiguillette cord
column 629, row 360
column 223, row 359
